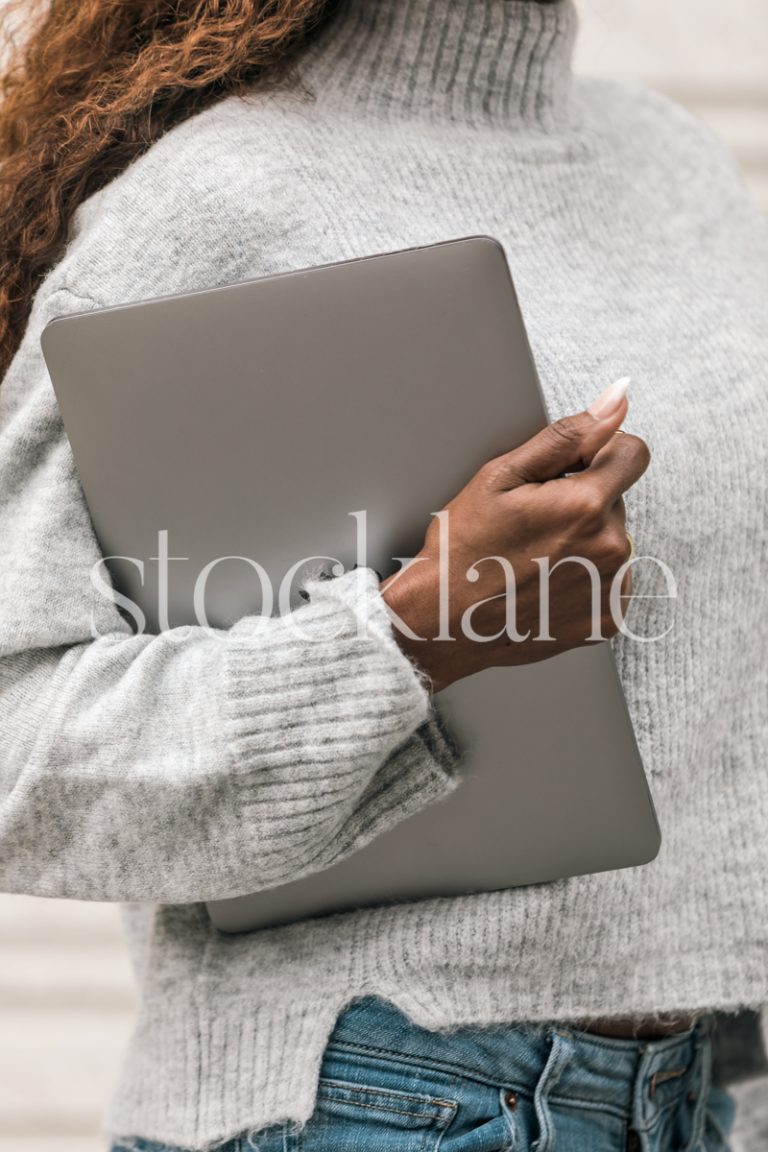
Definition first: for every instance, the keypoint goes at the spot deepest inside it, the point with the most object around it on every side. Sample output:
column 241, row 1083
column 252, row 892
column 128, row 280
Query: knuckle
column 587, row 506
column 567, row 429
column 614, row 547
column 487, row 469
column 494, row 471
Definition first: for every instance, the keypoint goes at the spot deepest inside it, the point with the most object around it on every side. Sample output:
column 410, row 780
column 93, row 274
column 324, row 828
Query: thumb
column 568, row 444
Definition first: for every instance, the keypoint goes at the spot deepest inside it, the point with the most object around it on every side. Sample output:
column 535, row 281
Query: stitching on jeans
column 381, row 1108
column 590, row 1105
column 431, row 1063
column 560, row 1054
column 511, row 1121
column 468, row 1074
column 522, row 1090
column 329, row 1083
column 610, row 1043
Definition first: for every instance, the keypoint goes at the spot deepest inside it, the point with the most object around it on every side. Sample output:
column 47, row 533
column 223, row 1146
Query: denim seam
column 560, row 1054
column 420, row 1062
column 590, row 1105
column 437, row 1065
column 610, row 1043
column 456, row 1096
column 427, row 1115
column 468, row 1074
column 445, row 1128
column 522, row 1090
column 350, row 1086
column 386, row 1108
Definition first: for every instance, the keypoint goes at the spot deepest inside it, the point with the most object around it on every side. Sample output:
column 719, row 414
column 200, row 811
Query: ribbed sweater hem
column 197, row 1075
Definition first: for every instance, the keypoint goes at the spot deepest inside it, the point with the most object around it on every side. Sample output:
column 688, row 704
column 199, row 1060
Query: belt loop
column 560, row 1053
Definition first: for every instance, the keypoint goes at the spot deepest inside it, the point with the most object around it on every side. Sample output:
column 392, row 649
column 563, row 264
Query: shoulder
column 677, row 175
column 662, row 137
column 206, row 204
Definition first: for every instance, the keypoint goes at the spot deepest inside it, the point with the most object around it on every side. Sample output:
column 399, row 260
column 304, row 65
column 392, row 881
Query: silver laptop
column 252, row 420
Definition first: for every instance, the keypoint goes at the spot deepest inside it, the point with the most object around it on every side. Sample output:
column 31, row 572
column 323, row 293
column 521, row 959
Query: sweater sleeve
column 196, row 764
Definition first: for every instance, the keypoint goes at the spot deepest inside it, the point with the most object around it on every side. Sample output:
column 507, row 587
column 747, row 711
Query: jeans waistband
column 627, row 1075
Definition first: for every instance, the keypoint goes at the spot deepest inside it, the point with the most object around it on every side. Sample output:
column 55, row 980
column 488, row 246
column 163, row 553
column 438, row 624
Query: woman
column 155, row 147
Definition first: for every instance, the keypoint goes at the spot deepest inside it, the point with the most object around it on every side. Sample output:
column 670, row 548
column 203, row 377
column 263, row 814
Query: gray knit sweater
column 162, row 773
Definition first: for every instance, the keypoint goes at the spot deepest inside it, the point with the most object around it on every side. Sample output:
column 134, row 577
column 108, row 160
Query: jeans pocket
column 350, row 1117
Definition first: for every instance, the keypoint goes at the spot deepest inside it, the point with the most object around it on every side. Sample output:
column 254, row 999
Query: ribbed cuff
column 420, row 772
column 359, row 590
column 321, row 711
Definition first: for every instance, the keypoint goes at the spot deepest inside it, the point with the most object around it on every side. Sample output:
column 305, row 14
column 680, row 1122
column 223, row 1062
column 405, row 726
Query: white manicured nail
column 609, row 400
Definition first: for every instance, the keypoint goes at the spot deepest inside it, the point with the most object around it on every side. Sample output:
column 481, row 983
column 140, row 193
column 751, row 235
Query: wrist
column 412, row 599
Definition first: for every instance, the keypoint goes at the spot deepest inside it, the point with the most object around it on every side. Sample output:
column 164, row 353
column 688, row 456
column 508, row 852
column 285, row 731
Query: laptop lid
column 283, row 418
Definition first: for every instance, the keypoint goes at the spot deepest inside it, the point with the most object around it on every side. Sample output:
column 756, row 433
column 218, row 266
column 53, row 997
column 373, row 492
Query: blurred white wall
column 711, row 55
column 66, row 999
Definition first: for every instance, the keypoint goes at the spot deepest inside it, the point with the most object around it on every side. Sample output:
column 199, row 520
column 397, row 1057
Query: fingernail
column 609, row 400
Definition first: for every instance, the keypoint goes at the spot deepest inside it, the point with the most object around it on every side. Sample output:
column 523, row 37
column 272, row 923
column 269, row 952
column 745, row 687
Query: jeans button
column 510, row 1099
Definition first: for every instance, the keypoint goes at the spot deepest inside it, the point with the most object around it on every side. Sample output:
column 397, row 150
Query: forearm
column 154, row 768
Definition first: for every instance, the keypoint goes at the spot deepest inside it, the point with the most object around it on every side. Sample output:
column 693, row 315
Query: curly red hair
column 91, row 84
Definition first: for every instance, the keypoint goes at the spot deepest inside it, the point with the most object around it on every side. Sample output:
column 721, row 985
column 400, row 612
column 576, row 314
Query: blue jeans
column 387, row 1085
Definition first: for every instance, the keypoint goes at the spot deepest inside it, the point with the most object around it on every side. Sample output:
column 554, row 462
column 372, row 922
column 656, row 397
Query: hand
column 518, row 507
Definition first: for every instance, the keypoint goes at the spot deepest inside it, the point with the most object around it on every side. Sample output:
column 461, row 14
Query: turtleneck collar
column 501, row 61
